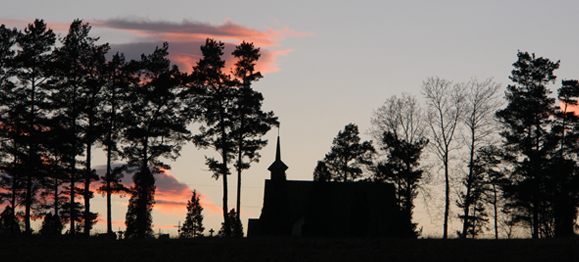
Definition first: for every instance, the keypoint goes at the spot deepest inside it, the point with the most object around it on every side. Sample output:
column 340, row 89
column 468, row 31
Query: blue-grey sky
column 325, row 64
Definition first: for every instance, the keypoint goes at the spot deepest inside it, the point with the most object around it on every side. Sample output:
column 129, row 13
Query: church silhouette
column 325, row 209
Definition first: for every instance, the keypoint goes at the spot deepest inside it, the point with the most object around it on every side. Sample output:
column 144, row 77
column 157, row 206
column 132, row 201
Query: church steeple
column 278, row 168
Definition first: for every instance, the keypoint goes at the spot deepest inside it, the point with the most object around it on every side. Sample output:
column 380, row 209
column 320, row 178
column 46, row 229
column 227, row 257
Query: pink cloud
column 171, row 195
column 186, row 38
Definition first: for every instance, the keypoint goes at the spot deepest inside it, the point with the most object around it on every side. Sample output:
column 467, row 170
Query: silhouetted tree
column 321, row 172
column 215, row 100
column 69, row 99
column 51, row 226
column 401, row 169
column 476, row 185
column 488, row 167
column 444, row 112
column 525, row 123
column 481, row 101
column 563, row 179
column 115, row 96
column 11, row 181
column 111, row 184
column 155, row 129
column 138, row 220
column 348, row 156
column 33, row 70
column 236, row 226
column 193, row 225
column 9, row 223
column 399, row 127
column 252, row 122
column 95, row 65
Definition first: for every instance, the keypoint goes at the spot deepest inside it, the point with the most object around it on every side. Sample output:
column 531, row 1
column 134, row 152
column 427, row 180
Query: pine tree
column 193, row 225
column 399, row 127
column 252, row 122
column 139, row 220
column 348, row 157
column 156, row 127
column 9, row 225
column 51, row 226
column 213, row 100
column 526, row 121
column 115, row 97
column 33, row 65
column 236, row 227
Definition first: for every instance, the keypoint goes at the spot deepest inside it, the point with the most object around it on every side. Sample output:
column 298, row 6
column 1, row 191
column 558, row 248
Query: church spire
column 278, row 168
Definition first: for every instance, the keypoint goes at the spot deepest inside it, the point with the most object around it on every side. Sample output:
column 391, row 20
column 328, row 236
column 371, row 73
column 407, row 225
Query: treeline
column 59, row 101
column 516, row 161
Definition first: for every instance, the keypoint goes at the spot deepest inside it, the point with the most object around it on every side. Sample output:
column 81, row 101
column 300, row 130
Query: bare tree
column 481, row 102
column 401, row 131
column 400, row 116
column 445, row 110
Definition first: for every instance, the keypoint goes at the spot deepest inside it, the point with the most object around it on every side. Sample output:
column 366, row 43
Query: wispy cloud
column 187, row 31
column 186, row 38
column 171, row 195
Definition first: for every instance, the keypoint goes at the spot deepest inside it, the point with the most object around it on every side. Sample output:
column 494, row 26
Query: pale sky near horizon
column 325, row 64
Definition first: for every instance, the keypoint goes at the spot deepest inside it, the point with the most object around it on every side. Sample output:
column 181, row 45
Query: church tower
column 278, row 168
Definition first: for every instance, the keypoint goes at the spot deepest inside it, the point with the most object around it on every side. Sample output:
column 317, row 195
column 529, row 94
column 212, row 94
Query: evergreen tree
column 156, row 127
column 51, row 226
column 11, row 181
column 348, row 156
column 399, row 127
column 213, row 100
column 563, row 179
column 236, row 227
column 401, row 169
column 139, row 220
column 9, row 225
column 321, row 173
column 29, row 111
column 193, row 225
column 115, row 96
column 252, row 122
column 526, row 122
column 111, row 184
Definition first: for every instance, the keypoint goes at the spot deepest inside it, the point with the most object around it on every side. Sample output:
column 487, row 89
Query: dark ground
column 287, row 249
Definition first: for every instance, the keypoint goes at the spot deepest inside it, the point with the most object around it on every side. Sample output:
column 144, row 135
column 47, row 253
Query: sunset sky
column 325, row 64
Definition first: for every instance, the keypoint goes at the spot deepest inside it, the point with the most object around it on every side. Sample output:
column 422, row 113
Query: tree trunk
column 467, row 199
column 496, row 212
column 87, row 181
column 108, row 185
column 446, row 197
column 226, row 222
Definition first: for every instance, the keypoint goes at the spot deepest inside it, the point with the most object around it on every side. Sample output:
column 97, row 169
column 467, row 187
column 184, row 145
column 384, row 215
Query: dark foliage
column 9, row 225
column 51, row 226
column 348, row 157
column 236, row 226
column 193, row 225
column 139, row 221
column 401, row 168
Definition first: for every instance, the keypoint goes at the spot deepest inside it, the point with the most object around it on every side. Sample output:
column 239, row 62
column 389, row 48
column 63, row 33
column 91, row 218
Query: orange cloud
column 186, row 38
column 171, row 195
column 190, row 30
